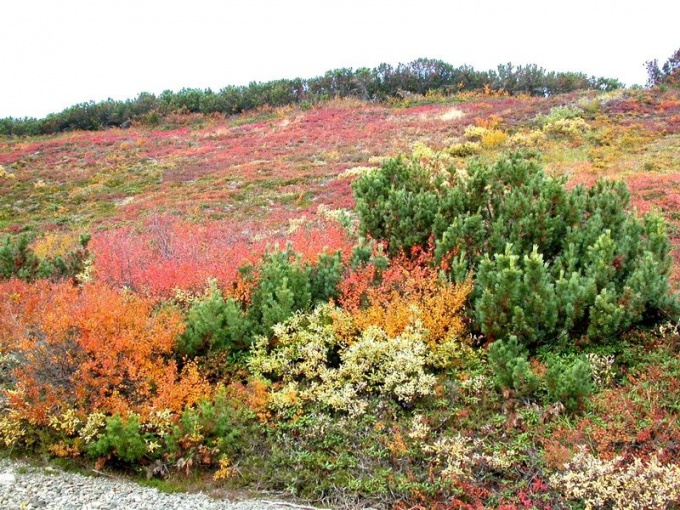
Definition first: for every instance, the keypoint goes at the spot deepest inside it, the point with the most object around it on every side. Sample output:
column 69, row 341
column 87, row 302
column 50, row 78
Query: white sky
column 56, row 53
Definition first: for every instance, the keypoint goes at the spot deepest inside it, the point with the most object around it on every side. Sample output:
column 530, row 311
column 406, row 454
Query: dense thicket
column 548, row 262
column 382, row 82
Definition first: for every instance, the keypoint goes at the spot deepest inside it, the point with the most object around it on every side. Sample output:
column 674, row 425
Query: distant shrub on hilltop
column 385, row 81
column 668, row 74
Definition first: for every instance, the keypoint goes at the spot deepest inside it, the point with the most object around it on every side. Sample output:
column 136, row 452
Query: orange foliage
column 405, row 292
column 92, row 349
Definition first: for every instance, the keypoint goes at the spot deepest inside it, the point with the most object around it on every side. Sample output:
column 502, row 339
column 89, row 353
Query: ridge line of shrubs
column 380, row 83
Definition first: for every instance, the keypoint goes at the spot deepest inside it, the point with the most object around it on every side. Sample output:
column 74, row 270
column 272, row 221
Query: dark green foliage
column 18, row 260
column 549, row 263
column 283, row 285
column 215, row 324
column 325, row 277
column 286, row 284
column 517, row 298
column 122, row 439
column 399, row 203
column 568, row 381
column 383, row 82
column 509, row 362
column 221, row 424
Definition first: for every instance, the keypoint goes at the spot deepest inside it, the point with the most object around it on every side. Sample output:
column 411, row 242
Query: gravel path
column 23, row 487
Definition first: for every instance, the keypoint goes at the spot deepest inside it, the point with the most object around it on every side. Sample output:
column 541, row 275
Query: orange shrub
column 407, row 291
column 92, row 349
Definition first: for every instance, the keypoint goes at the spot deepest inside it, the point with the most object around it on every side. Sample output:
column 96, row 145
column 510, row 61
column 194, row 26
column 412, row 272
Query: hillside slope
column 195, row 300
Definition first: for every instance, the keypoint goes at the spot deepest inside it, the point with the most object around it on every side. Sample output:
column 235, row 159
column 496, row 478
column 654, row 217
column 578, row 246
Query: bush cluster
column 549, row 263
column 282, row 284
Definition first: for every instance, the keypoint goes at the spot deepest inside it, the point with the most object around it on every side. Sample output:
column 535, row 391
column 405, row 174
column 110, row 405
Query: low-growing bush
column 215, row 324
column 313, row 364
column 510, row 365
column 91, row 348
column 281, row 284
column 123, row 439
column 568, row 381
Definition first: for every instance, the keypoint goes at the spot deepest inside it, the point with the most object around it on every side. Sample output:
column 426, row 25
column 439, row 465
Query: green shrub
column 286, row 284
column 122, row 439
column 216, row 423
column 283, row 286
column 17, row 259
column 324, row 278
column 549, row 263
column 398, row 203
column 509, row 362
column 560, row 113
column 568, row 382
column 215, row 324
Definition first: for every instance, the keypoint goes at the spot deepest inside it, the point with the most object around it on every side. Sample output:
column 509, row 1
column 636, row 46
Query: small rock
column 7, row 478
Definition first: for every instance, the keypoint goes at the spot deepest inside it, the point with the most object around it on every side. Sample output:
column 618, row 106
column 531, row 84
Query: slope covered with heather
column 220, row 297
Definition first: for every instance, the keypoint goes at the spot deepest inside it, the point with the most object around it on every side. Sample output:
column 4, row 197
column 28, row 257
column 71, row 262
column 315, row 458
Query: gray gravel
column 23, row 487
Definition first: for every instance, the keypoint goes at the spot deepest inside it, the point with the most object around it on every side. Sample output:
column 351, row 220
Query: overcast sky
column 56, row 53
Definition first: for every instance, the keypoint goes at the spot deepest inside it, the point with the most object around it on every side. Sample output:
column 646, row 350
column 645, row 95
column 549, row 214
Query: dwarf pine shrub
column 549, row 262
column 282, row 285
column 213, row 324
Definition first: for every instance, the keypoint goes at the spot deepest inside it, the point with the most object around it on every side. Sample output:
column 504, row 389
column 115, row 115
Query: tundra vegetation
column 386, row 289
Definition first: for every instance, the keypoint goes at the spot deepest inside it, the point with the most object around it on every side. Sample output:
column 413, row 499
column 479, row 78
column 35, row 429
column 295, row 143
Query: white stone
column 7, row 478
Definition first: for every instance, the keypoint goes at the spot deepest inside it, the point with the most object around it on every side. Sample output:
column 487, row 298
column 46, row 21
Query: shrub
column 615, row 483
column 217, row 424
column 549, row 262
column 215, row 324
column 509, row 362
column 312, row 364
column 18, row 259
column 560, row 113
column 398, row 203
column 286, row 284
column 403, row 293
column 123, row 439
column 464, row 149
column 568, row 382
column 91, row 348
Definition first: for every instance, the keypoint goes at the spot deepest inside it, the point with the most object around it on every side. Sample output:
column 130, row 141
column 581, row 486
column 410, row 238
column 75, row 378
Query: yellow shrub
column 475, row 132
column 494, row 138
column 571, row 128
column 533, row 138
column 437, row 304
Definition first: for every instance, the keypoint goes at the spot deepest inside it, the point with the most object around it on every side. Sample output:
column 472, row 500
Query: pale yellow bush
column 465, row 149
column 613, row 484
column 475, row 133
column 373, row 364
column 570, row 128
column 533, row 138
column 11, row 430
column 494, row 138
